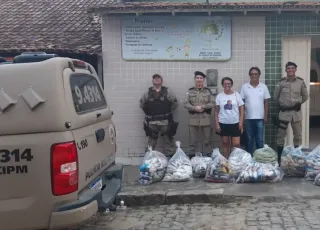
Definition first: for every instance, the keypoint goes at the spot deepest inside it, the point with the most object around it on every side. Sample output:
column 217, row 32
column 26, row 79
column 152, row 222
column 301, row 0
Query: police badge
column 162, row 98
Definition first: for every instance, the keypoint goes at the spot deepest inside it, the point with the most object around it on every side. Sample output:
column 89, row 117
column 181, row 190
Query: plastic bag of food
column 317, row 180
column 266, row 155
column 260, row 172
column 153, row 167
column 199, row 165
column 179, row 166
column 313, row 164
column 238, row 160
column 215, row 153
column 293, row 161
column 218, row 170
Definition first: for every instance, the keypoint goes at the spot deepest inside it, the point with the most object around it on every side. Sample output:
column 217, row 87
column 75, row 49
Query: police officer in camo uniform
column 158, row 103
column 199, row 103
column 290, row 94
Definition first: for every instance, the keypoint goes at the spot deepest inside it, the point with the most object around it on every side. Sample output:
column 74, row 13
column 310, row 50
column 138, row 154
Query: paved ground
column 250, row 215
column 196, row 190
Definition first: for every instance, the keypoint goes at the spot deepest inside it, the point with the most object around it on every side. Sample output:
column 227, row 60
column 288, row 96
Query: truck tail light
column 64, row 168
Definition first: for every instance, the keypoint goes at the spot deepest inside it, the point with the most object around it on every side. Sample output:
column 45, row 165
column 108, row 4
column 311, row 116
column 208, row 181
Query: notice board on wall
column 194, row 38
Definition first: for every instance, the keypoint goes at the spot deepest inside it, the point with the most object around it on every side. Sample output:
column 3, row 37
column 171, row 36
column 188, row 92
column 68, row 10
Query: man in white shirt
column 255, row 95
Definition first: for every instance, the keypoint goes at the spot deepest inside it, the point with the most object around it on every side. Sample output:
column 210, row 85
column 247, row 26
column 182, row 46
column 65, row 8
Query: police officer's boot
column 280, row 149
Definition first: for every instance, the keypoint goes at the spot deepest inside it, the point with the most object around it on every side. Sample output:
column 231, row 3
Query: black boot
column 280, row 149
column 296, row 146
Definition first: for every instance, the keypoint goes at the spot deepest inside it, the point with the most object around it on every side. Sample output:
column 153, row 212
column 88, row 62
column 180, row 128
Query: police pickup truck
column 57, row 144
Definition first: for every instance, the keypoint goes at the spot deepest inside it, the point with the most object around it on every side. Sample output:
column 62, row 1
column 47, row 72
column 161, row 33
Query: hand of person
column 265, row 119
column 297, row 106
column 218, row 128
column 241, row 127
column 198, row 108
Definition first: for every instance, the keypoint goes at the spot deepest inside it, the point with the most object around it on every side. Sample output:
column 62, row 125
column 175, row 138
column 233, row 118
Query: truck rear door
column 94, row 133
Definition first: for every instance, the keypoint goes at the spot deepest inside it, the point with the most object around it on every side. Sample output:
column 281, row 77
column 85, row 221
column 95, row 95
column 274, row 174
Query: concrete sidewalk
column 197, row 190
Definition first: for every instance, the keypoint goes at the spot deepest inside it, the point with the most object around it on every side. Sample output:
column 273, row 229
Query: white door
column 298, row 50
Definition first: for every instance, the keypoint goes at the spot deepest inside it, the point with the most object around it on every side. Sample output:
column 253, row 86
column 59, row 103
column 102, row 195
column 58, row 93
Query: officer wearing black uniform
column 158, row 105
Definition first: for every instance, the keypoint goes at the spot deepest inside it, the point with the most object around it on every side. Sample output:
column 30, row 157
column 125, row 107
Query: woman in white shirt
column 229, row 115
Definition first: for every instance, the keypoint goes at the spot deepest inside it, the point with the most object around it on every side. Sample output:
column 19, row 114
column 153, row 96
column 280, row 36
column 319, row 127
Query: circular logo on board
column 112, row 134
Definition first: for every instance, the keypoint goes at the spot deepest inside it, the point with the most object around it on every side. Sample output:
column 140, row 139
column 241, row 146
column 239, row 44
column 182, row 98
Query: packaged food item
column 260, row 172
column 266, row 155
column 218, row 170
column 199, row 165
column 153, row 167
column 313, row 164
column 238, row 160
column 293, row 161
column 179, row 166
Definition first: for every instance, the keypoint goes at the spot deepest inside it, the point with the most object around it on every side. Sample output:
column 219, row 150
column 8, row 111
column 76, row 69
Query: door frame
column 298, row 49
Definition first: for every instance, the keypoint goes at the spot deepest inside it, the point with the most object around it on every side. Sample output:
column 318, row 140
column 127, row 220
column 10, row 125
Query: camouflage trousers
column 169, row 148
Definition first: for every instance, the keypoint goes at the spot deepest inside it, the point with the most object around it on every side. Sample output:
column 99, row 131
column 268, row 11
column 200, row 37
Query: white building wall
column 125, row 81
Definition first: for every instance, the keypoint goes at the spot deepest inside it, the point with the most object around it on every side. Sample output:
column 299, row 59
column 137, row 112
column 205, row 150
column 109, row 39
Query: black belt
column 159, row 117
column 204, row 111
column 289, row 109
column 296, row 107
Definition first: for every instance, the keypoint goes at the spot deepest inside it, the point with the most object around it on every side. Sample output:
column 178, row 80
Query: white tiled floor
column 314, row 137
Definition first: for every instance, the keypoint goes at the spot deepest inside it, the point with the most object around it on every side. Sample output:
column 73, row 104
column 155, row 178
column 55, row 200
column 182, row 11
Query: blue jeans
column 255, row 130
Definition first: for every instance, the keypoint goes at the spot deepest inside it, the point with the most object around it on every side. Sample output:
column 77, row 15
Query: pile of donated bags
column 241, row 167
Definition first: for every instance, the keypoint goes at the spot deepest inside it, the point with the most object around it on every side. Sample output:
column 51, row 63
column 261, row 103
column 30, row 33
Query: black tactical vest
column 158, row 103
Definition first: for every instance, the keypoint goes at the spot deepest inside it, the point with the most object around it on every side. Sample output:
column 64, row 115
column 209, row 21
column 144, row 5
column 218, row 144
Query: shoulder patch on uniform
column 191, row 88
column 300, row 78
column 284, row 78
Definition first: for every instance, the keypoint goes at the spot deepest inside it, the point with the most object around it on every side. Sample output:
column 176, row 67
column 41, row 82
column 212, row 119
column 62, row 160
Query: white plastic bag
column 199, row 165
column 238, row 160
column 179, row 166
column 218, row 170
column 317, row 180
column 215, row 153
column 313, row 164
column 153, row 167
column 260, row 172
column 293, row 161
column 266, row 155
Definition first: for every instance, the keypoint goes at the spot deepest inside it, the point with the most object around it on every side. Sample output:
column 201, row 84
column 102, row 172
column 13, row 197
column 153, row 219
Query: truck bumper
column 89, row 201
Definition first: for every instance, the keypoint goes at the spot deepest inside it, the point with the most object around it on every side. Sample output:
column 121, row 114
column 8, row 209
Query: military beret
column 199, row 73
column 289, row 63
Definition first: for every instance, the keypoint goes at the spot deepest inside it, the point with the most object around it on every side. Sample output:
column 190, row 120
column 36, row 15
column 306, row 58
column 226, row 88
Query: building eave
column 142, row 11
column 174, row 7
column 86, row 51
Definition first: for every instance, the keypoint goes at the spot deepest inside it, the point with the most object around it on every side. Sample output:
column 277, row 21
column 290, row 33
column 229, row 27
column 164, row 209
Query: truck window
column 86, row 93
